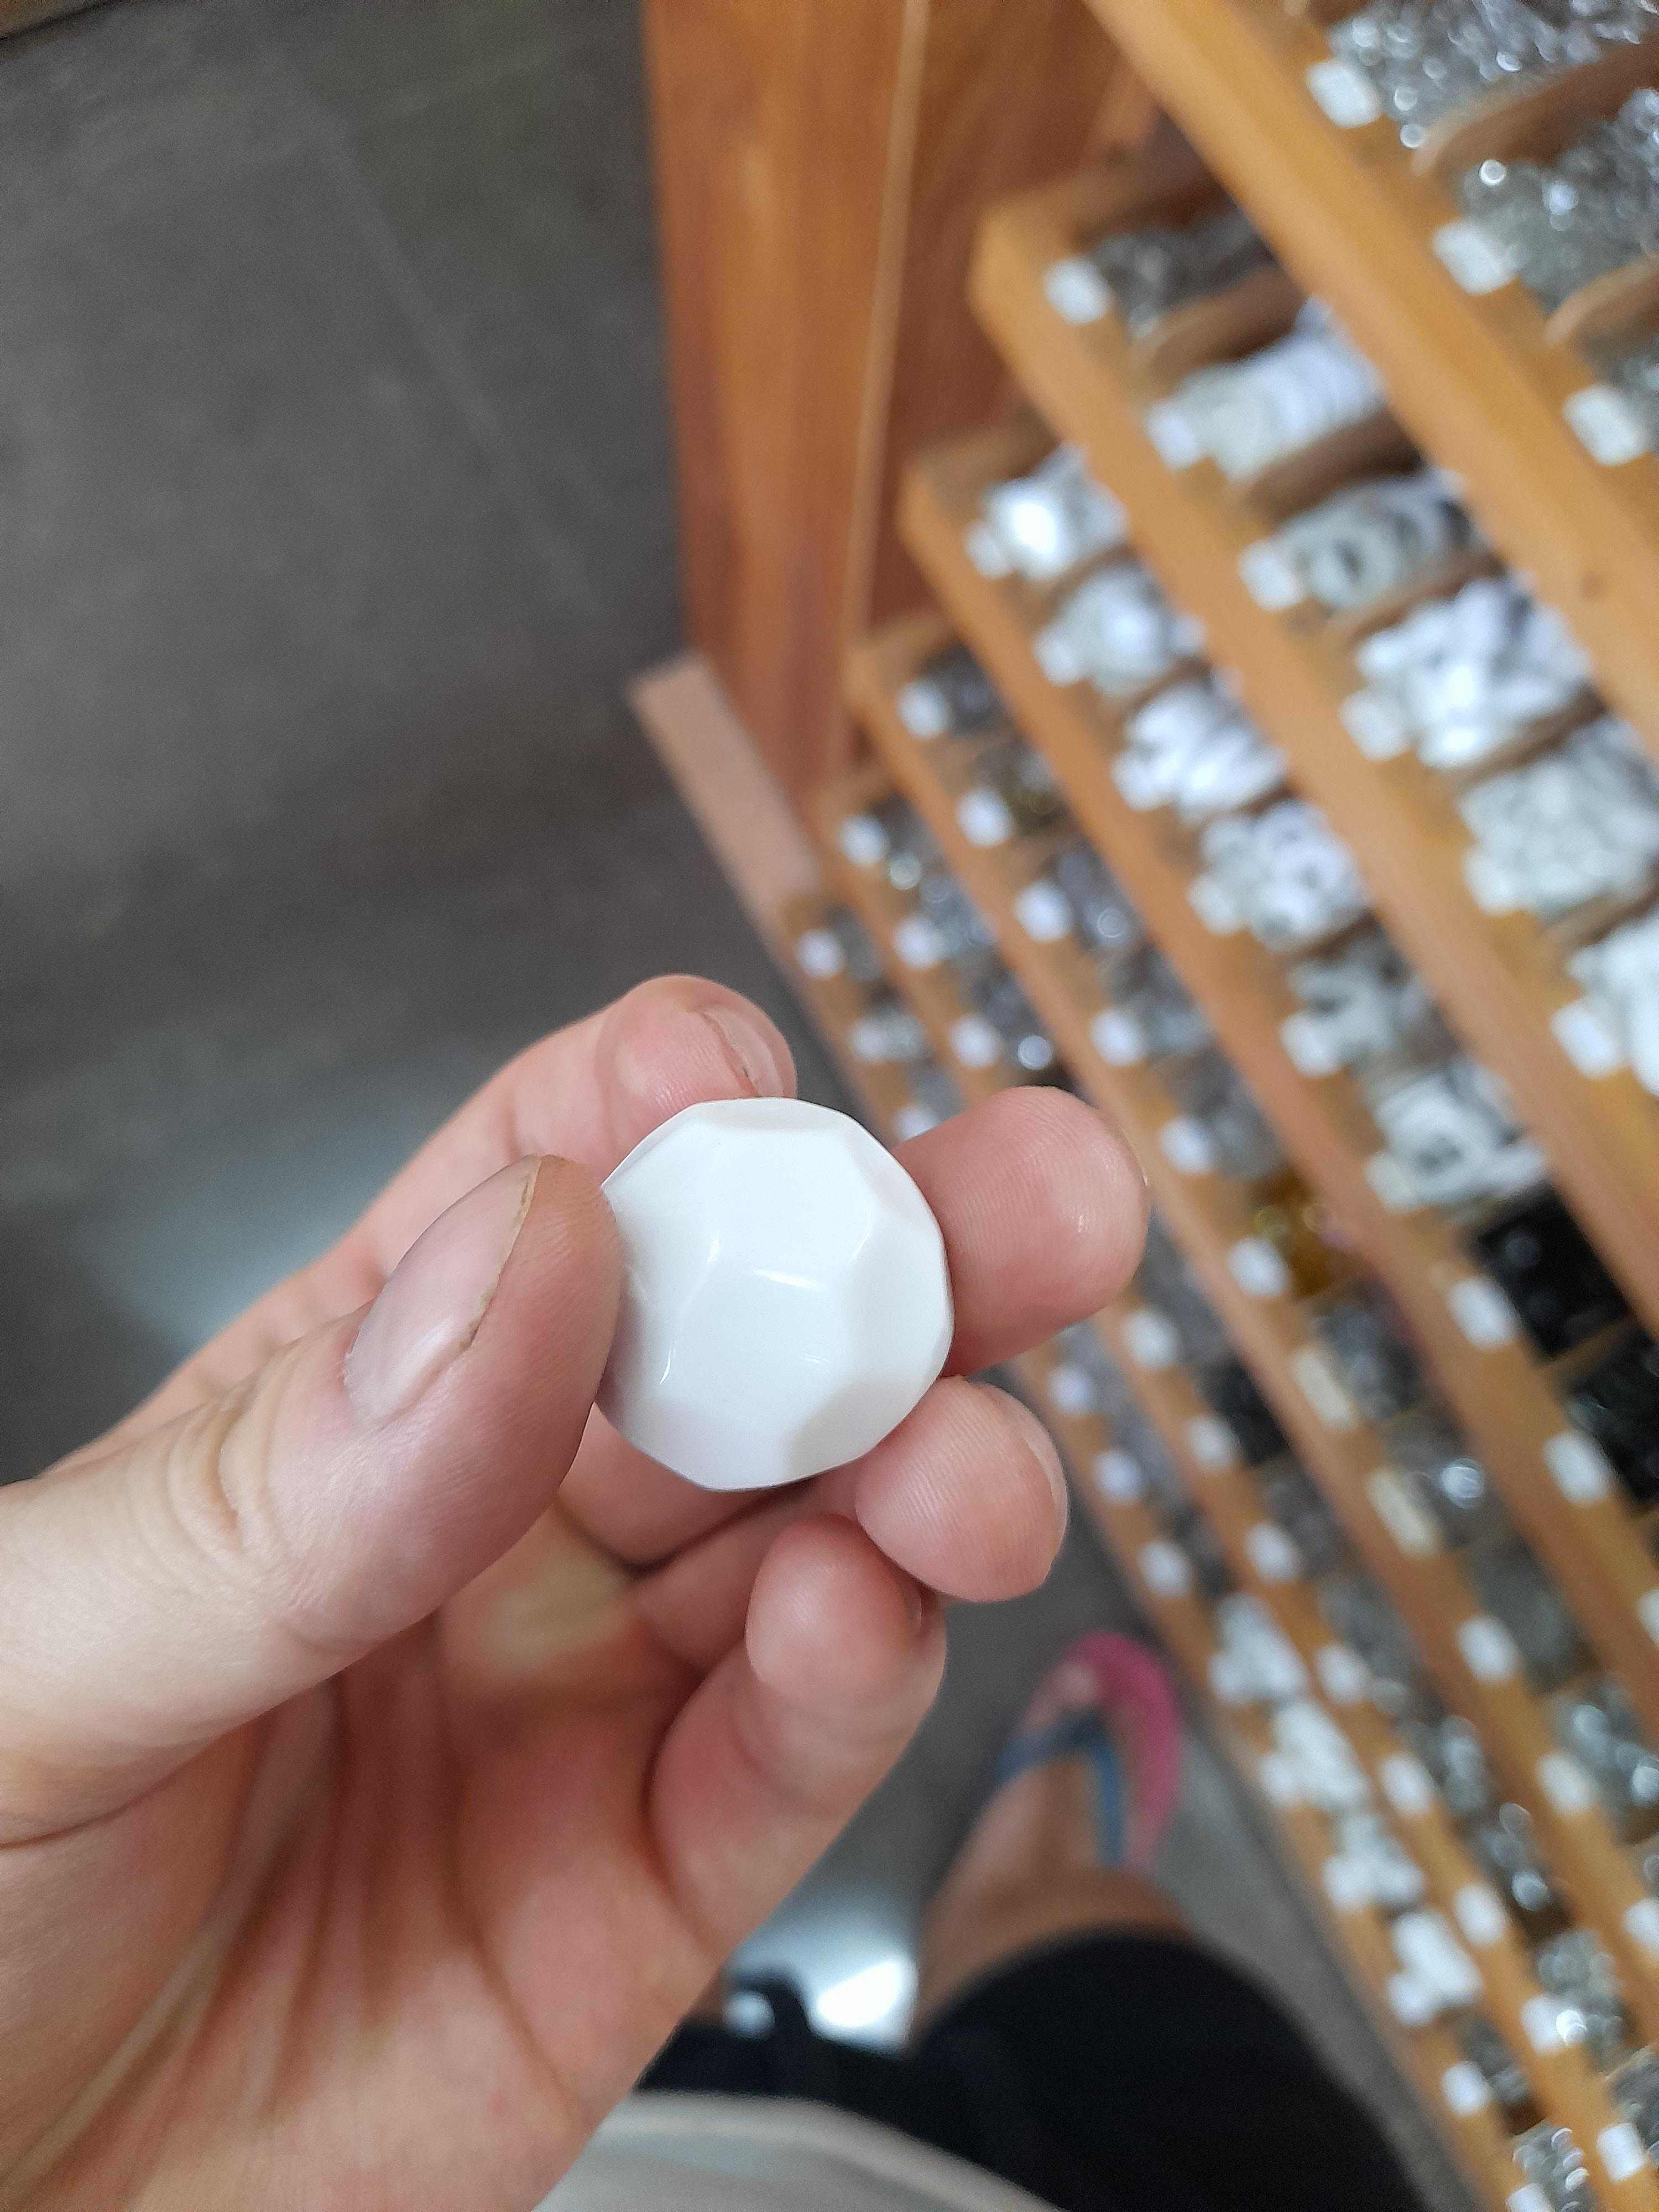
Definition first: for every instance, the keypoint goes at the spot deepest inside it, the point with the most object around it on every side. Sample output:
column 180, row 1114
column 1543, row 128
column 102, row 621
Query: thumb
column 156, row 1596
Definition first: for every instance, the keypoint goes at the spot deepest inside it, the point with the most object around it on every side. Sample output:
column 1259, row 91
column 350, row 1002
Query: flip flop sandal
column 1110, row 1702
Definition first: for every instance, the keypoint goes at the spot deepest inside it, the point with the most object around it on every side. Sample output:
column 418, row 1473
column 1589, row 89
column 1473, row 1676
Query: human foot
column 1084, row 1789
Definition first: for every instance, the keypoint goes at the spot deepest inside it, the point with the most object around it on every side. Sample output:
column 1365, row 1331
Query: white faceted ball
column 786, row 1299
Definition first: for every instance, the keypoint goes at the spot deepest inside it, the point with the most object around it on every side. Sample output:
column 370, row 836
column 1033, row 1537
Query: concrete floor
column 334, row 512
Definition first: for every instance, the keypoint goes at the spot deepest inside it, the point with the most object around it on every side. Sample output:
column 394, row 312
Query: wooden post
column 821, row 171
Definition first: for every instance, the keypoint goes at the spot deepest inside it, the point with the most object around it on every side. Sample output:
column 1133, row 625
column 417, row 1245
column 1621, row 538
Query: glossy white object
column 786, row 1300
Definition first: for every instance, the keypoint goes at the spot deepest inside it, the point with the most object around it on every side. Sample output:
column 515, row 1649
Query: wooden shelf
column 1210, row 1219
column 1504, row 1397
column 1477, row 380
column 1501, row 979
column 1358, row 1939
column 1565, row 2087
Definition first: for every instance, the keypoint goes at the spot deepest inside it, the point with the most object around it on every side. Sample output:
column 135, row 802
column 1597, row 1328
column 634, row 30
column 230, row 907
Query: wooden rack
column 1480, row 378
column 1560, row 475
column 1505, row 1397
column 1211, row 1220
column 1560, row 2080
column 1501, row 979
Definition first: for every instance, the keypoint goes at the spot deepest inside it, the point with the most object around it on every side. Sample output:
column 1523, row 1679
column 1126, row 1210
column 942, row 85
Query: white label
column 1621, row 2151
column 1211, row 1442
column 1475, row 259
column 922, row 709
column 1392, row 1182
column 1411, row 1525
column 1118, row 1477
column 984, row 818
column 820, row 954
column 1077, row 291
column 1151, row 1338
column 1187, row 1145
column 1376, row 725
column 1412, row 2001
column 1323, row 1387
column 1488, row 1649
column 1270, row 575
column 1647, row 1612
column 975, row 1042
column 1588, row 1038
column 1308, row 1046
column 1581, row 1472
column 1215, row 906
column 1407, row 1784
column 987, row 551
column 1271, row 1553
column 1043, row 912
column 913, row 1120
column 1343, row 1675
column 1642, row 1925
column 1347, row 1883
column 1565, row 1783
column 1490, row 883
column 1480, row 1915
column 1071, row 1390
column 1164, row 1569
column 1171, row 434
column 1529, row 2197
column 1547, row 2025
column 1117, row 1038
column 1482, row 1312
column 917, row 942
column 1346, row 96
column 1279, row 1780
column 1257, row 1268
column 1465, row 2088
column 1606, row 424
column 1230, row 1679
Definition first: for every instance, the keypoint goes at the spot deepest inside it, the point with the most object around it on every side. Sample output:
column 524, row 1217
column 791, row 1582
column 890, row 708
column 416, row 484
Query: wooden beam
column 820, row 172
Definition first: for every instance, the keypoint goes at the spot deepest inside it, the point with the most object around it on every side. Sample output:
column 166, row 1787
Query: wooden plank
column 773, row 126
column 1008, row 97
column 731, row 793
column 820, row 170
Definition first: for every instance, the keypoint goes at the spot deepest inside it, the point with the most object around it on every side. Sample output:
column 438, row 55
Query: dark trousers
column 1119, row 2073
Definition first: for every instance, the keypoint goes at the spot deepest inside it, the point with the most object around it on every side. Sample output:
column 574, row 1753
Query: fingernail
column 917, row 1605
column 757, row 1053
column 436, row 1297
column 1046, row 1453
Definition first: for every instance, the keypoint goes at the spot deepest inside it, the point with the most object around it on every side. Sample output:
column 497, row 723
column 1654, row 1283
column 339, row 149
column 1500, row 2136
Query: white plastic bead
column 1465, row 2088
column 1621, row 2151
column 786, row 1299
column 1480, row 1915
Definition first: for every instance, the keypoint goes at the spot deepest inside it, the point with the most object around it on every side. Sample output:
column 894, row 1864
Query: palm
column 403, row 1938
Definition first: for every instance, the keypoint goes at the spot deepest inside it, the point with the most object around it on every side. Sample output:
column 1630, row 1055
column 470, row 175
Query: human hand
column 389, row 1754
